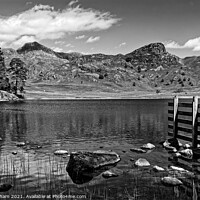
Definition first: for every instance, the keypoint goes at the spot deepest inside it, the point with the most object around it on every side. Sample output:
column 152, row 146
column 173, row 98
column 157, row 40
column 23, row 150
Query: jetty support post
column 194, row 121
column 175, row 117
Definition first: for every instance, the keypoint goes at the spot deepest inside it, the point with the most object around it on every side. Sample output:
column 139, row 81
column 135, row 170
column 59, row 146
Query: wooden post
column 175, row 117
column 194, row 121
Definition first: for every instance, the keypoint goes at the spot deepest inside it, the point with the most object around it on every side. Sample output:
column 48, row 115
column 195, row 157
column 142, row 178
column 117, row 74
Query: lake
column 87, row 125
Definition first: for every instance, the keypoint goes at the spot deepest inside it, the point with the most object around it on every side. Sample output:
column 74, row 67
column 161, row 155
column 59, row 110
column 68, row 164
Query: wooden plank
column 170, row 104
column 171, row 119
column 184, row 121
column 175, row 117
column 170, row 134
column 184, row 113
column 184, row 138
column 186, row 105
column 186, row 130
column 194, row 122
column 170, row 126
column 170, row 112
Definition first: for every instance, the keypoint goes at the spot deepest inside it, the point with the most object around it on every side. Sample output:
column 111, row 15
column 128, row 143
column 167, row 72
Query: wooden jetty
column 184, row 119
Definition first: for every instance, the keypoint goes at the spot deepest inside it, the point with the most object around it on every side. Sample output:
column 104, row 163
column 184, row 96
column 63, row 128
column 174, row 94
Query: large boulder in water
column 83, row 166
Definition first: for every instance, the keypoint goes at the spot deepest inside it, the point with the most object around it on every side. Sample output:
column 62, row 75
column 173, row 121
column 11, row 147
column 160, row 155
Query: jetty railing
column 183, row 119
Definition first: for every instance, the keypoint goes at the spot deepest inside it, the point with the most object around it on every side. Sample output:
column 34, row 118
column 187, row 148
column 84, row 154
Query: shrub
column 101, row 76
column 157, row 91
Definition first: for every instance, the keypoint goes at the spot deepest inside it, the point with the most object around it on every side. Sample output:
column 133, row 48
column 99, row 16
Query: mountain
column 149, row 68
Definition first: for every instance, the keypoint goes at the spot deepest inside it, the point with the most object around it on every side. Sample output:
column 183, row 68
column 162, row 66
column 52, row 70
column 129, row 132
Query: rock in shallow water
column 158, row 169
column 61, row 152
column 20, row 144
column 148, row 146
column 141, row 162
column 137, row 150
column 5, row 187
column 171, row 181
column 109, row 174
column 83, row 166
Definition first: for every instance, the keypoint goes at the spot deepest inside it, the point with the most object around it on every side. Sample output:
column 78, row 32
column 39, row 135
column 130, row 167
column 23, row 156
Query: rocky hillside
column 148, row 68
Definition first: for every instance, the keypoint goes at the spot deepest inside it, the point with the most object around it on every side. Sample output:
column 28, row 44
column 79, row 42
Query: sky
column 102, row 26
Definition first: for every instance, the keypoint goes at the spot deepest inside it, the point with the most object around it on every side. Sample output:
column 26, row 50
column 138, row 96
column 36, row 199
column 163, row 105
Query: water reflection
column 116, row 125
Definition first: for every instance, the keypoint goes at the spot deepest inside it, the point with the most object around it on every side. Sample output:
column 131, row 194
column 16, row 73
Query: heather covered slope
column 148, row 69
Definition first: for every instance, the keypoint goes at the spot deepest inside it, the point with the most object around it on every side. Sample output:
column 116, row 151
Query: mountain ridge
column 149, row 67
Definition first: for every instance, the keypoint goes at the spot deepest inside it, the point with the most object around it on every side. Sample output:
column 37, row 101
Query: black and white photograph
column 99, row 99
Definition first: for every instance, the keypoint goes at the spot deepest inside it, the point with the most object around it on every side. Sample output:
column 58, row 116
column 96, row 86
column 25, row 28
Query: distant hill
column 150, row 67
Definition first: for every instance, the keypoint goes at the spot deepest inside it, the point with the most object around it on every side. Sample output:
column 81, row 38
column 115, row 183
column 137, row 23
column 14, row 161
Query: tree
column 4, row 82
column 18, row 74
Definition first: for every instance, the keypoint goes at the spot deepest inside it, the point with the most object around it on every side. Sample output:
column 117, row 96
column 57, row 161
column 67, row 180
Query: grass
column 50, row 178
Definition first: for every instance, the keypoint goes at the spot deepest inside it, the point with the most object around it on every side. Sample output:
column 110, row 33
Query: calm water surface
column 86, row 125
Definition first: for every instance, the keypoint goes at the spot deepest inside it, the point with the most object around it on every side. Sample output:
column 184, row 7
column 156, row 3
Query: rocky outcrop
column 153, row 55
column 83, row 166
column 5, row 96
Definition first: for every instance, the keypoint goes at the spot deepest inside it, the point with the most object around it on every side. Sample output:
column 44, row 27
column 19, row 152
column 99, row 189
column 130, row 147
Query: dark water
column 73, row 125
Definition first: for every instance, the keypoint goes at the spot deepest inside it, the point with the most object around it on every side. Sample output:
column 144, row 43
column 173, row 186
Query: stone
column 83, row 166
column 138, row 150
column 141, row 162
column 148, row 146
column 158, row 169
column 186, row 146
column 5, row 187
column 188, row 153
column 181, row 172
column 60, row 152
column 109, row 174
column 172, row 142
column 14, row 153
column 20, row 144
column 171, row 181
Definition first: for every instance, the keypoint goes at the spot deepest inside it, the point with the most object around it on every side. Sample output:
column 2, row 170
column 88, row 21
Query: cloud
column 92, row 39
column 193, row 44
column 57, row 49
column 122, row 44
column 71, row 3
column 69, row 45
column 80, row 37
column 59, row 42
column 44, row 22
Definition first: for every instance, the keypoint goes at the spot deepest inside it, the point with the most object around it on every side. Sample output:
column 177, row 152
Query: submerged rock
column 181, row 172
column 20, row 144
column 188, row 153
column 158, row 169
column 186, row 146
column 14, row 153
column 172, row 143
column 171, row 181
column 141, row 162
column 60, row 152
column 5, row 187
column 148, row 146
column 138, row 150
column 83, row 166
column 109, row 174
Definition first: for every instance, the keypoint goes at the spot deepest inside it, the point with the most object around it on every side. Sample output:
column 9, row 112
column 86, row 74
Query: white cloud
column 80, row 37
column 71, row 3
column 193, row 44
column 57, row 49
column 69, row 45
column 59, row 42
column 172, row 45
column 122, row 44
column 44, row 22
column 92, row 39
